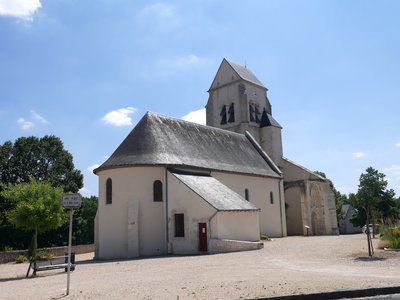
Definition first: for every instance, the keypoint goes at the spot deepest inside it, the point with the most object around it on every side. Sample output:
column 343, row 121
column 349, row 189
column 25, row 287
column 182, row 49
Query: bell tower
column 238, row 102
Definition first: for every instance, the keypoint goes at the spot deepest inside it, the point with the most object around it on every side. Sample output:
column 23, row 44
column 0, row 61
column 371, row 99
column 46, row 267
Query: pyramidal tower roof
column 161, row 140
column 241, row 71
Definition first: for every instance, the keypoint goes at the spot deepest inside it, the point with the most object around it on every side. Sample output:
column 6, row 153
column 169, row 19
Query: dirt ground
column 292, row 265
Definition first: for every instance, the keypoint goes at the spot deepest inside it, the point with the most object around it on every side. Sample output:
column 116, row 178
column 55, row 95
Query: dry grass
column 383, row 244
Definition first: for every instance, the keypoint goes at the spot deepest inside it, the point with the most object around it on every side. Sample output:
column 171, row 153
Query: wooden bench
column 58, row 262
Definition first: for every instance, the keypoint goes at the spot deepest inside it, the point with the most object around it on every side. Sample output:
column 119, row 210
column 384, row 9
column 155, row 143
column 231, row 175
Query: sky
column 87, row 71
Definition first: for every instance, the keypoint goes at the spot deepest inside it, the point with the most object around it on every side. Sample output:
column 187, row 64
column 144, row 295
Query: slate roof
column 268, row 120
column 161, row 140
column 215, row 193
column 245, row 73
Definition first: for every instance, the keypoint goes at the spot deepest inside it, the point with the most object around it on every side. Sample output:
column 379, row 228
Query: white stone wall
column 272, row 216
column 181, row 199
column 221, row 246
column 241, row 226
column 132, row 212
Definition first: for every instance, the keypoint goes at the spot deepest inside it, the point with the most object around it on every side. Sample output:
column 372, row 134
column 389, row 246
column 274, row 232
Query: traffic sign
column 71, row 201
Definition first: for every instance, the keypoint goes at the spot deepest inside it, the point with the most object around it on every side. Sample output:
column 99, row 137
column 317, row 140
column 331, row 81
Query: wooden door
column 203, row 237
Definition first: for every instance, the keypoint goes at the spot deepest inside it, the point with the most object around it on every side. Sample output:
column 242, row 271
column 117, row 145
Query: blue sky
column 87, row 71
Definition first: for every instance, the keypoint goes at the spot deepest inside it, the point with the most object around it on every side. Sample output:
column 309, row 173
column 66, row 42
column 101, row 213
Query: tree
column 37, row 207
column 374, row 200
column 84, row 221
column 43, row 159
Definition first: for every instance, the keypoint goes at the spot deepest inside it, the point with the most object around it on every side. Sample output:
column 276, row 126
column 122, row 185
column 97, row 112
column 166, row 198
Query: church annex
column 177, row 187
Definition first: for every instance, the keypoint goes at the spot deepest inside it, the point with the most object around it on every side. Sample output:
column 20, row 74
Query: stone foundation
column 10, row 256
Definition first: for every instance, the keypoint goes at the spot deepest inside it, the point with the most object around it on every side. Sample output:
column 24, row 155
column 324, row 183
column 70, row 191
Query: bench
column 58, row 262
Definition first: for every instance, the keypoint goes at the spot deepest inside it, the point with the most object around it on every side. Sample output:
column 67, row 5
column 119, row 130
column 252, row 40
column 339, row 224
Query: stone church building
column 178, row 187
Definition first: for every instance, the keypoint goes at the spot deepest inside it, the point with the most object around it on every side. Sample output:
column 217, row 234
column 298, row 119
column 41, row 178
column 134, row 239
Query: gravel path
column 291, row 265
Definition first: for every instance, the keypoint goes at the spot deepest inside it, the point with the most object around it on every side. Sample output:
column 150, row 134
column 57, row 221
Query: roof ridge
column 197, row 124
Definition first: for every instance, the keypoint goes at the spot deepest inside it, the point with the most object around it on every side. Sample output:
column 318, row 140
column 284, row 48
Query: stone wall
column 221, row 246
column 10, row 256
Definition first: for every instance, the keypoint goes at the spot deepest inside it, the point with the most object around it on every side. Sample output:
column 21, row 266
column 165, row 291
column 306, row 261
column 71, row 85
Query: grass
column 392, row 236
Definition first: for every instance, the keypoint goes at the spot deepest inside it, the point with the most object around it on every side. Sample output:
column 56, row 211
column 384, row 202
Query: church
column 176, row 187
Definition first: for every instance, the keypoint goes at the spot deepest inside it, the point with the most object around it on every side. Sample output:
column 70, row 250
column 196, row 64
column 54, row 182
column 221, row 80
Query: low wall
column 10, row 256
column 221, row 246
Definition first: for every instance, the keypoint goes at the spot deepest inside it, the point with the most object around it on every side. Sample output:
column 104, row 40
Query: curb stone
column 340, row 294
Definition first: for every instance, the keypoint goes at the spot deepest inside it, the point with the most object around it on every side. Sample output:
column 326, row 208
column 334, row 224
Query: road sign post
column 71, row 201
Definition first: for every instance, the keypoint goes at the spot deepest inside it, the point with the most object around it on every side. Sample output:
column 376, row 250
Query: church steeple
column 238, row 102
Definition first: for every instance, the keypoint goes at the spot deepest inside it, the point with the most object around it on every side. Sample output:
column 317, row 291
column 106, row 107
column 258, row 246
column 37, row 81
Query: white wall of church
column 132, row 189
column 272, row 215
column 183, row 200
column 231, row 225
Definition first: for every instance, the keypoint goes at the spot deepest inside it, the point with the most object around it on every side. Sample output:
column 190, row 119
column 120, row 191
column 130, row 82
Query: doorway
column 203, row 237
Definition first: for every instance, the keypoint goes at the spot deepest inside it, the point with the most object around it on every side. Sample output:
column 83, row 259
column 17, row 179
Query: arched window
column 157, row 191
column 271, row 197
column 246, row 194
column 108, row 191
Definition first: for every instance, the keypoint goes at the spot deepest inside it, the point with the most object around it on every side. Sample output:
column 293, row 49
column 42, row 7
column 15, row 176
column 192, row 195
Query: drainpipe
column 280, row 205
column 166, row 210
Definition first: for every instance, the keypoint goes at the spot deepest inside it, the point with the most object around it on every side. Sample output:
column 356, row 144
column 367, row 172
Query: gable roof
column 215, row 193
column 161, row 140
column 245, row 73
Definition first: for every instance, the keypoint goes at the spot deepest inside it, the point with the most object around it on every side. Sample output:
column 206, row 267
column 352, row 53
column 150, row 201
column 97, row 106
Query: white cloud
column 38, row 117
column 21, row 9
column 25, row 124
column 397, row 144
column 163, row 17
column 169, row 66
column 197, row 116
column 91, row 168
column 358, row 154
column 120, row 117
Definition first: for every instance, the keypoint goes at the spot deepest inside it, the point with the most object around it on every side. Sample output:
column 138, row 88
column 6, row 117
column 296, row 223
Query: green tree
column 373, row 201
column 84, row 221
column 43, row 159
column 37, row 207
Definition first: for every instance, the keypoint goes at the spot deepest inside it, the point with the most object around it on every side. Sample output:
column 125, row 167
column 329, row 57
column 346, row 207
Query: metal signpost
column 71, row 201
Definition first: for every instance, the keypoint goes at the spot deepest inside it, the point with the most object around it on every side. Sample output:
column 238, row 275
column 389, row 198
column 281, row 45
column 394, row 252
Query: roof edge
column 263, row 154
column 305, row 169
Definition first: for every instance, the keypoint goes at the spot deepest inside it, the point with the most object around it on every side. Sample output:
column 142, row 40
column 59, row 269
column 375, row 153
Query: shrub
column 392, row 235
column 8, row 248
column 44, row 254
column 20, row 259
column 264, row 237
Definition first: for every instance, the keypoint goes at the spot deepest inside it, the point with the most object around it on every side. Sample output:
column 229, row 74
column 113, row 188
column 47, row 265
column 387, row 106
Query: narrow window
column 157, row 191
column 179, row 225
column 109, row 191
column 258, row 114
column 223, row 115
column 231, row 112
column 246, row 194
column 271, row 197
column 252, row 112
